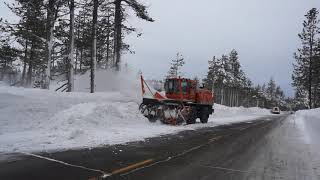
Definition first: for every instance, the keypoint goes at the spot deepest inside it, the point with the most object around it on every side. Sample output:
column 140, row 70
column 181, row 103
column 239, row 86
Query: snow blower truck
column 182, row 102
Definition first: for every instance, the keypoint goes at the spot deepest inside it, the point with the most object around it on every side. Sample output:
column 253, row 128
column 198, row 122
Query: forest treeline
column 63, row 37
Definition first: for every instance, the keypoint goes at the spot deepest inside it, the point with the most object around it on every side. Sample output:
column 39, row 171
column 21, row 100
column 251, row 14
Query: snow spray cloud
column 125, row 81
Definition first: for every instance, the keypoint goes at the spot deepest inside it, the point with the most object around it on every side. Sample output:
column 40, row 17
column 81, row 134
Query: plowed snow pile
column 308, row 120
column 308, row 114
column 42, row 120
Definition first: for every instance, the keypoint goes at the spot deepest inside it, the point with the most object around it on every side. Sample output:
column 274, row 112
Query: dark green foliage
column 8, row 55
column 233, row 88
column 306, row 68
column 32, row 34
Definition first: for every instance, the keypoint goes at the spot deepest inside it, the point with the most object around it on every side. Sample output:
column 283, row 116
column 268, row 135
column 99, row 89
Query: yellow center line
column 215, row 138
column 132, row 166
column 141, row 164
column 127, row 168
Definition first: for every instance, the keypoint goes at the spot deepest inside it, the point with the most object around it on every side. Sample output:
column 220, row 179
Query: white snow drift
column 308, row 122
column 42, row 120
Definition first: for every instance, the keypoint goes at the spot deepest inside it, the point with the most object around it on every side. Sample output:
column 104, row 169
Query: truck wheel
column 152, row 113
column 152, row 119
column 192, row 117
column 204, row 115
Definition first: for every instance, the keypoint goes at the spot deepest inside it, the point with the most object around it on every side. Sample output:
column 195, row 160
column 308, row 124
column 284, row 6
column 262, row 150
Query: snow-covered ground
column 42, row 120
column 308, row 122
column 290, row 150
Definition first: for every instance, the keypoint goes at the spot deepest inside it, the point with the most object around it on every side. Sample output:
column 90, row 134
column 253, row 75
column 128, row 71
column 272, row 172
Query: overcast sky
column 264, row 32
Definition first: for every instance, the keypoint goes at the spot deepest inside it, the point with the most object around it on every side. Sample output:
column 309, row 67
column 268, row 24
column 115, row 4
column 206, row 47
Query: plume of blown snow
column 125, row 82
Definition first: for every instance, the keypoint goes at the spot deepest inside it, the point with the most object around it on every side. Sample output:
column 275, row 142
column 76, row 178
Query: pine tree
column 83, row 21
column 216, row 75
column 8, row 55
column 305, row 69
column 212, row 75
column 271, row 89
column 71, row 48
column 141, row 12
column 234, row 68
column 279, row 95
column 105, row 33
column 30, row 33
column 176, row 64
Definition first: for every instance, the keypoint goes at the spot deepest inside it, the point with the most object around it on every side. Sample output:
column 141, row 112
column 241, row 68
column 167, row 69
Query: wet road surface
column 268, row 148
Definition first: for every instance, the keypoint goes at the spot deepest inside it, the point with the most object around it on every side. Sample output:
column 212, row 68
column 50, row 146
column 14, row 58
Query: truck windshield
column 172, row 86
column 184, row 86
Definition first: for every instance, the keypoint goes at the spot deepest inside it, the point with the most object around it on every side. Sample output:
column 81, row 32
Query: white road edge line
column 104, row 174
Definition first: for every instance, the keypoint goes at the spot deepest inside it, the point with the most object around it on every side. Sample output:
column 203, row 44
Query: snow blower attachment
column 183, row 102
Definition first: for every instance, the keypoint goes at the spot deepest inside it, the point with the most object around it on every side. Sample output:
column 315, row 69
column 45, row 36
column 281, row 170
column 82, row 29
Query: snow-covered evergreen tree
column 176, row 65
column 8, row 55
column 306, row 69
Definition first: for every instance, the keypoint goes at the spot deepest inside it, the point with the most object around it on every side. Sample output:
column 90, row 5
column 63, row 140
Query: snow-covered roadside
column 224, row 114
column 41, row 120
column 308, row 121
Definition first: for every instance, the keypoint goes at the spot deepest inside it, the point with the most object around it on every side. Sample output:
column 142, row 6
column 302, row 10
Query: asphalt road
column 268, row 148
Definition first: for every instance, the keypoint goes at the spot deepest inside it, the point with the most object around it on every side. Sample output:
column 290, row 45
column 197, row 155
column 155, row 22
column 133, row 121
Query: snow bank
column 225, row 114
column 42, row 120
column 307, row 117
column 308, row 114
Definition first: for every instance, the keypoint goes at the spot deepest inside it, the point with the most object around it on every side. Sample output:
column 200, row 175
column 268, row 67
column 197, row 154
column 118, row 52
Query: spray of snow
column 126, row 82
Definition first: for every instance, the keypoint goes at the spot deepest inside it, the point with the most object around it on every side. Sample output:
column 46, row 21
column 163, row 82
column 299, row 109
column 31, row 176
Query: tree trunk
column 108, row 39
column 4, row 70
column 71, row 49
column 117, row 34
column 80, row 61
column 94, row 46
column 25, row 59
column 49, row 42
column 77, row 52
column 29, row 74
column 222, row 96
column 76, row 61
column 310, row 81
column 237, row 101
column 311, row 41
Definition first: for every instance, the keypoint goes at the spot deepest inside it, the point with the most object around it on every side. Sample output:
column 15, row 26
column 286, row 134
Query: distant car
column 275, row 110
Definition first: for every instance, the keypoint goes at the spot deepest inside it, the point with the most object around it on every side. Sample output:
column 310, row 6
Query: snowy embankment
column 42, row 120
column 308, row 114
column 308, row 122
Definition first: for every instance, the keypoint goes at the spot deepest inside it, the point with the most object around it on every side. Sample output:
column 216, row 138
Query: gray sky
column 264, row 32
